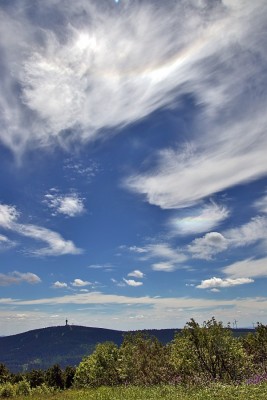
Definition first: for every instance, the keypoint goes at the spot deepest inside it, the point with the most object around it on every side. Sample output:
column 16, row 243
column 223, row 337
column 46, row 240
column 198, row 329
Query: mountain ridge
column 64, row 345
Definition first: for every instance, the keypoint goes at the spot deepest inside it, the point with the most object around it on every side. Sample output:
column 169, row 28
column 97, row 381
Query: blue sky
column 133, row 163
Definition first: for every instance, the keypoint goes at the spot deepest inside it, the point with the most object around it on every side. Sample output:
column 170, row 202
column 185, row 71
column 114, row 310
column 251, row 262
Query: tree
column 255, row 345
column 4, row 374
column 209, row 352
column 36, row 377
column 69, row 374
column 143, row 360
column 100, row 368
column 54, row 377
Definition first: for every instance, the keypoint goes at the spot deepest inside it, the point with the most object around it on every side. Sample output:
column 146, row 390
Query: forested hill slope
column 65, row 345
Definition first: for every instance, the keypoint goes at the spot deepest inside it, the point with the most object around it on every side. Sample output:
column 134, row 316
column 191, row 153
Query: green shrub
column 23, row 388
column 7, row 390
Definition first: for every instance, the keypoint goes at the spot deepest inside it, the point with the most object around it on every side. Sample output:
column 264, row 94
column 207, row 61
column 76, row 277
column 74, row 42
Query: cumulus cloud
column 132, row 282
column 207, row 246
column 59, row 285
column 137, row 274
column 222, row 283
column 70, row 204
column 80, row 283
column 213, row 243
column 15, row 278
column 56, row 244
column 199, row 220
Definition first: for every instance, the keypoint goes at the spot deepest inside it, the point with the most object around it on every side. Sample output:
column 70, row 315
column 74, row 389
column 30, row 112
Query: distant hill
column 64, row 345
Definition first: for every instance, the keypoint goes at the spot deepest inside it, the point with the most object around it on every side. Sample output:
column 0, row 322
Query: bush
column 209, row 353
column 7, row 390
column 23, row 388
column 100, row 368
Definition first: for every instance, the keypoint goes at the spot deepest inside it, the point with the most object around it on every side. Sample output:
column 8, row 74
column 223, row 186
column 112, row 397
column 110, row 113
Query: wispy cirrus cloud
column 15, row 278
column 165, row 257
column 70, row 204
column 66, row 76
column 201, row 219
column 56, row 244
column 248, row 268
column 261, row 204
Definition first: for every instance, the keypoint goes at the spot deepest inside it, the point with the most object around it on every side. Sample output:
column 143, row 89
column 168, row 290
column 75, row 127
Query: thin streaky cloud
column 56, row 244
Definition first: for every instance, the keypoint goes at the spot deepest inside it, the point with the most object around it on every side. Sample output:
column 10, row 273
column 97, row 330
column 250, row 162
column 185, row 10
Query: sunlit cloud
column 59, row 285
column 212, row 243
column 249, row 268
column 70, row 204
column 199, row 220
column 56, row 244
column 223, row 283
column 136, row 274
column 67, row 75
column 132, row 282
column 80, row 283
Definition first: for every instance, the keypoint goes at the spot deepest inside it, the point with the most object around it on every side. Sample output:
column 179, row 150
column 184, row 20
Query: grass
column 218, row 391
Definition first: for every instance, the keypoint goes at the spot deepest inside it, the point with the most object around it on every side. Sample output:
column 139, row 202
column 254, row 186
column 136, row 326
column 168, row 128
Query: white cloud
column 132, row 282
column 16, row 277
column 5, row 243
column 59, row 285
column 56, row 244
column 8, row 215
column 199, row 220
column 69, row 204
column 261, row 204
column 205, row 48
column 213, row 243
column 164, row 266
column 247, row 234
column 207, row 246
column 162, row 250
column 80, row 283
column 169, row 258
column 136, row 274
column 222, row 283
column 250, row 268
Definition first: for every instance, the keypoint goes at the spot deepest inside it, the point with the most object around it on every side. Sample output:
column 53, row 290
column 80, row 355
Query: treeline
column 199, row 354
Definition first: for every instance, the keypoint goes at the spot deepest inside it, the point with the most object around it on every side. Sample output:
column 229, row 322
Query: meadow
column 216, row 391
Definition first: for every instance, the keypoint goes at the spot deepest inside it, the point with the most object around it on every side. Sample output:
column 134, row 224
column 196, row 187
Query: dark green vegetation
column 202, row 362
column 63, row 345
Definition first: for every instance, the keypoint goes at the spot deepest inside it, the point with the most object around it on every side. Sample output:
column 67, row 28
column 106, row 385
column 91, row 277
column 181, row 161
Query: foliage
column 209, row 352
column 23, row 388
column 7, row 390
column 54, row 377
column 35, row 377
column 4, row 373
column 143, row 360
column 69, row 374
column 100, row 368
column 256, row 346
